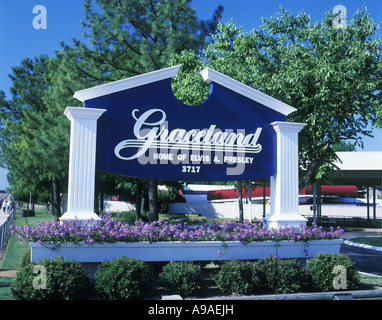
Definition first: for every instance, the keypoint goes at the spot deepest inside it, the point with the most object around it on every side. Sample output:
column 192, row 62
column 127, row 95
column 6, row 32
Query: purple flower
column 112, row 230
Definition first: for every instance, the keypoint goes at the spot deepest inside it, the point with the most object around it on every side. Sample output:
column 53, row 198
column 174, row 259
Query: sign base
column 279, row 220
column 81, row 217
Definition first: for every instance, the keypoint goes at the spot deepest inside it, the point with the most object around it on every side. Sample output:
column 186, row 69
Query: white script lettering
column 154, row 135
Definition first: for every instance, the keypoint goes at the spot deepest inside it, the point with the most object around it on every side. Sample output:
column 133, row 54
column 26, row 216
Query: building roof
column 360, row 168
column 360, row 160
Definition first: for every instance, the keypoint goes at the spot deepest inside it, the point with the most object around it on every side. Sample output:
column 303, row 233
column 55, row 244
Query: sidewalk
column 5, row 273
column 3, row 218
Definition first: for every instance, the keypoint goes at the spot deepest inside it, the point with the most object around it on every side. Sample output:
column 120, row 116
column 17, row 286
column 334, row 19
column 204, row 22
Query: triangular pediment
column 209, row 75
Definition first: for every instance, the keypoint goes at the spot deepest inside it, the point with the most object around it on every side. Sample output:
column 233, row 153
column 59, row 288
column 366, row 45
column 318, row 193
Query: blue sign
column 146, row 132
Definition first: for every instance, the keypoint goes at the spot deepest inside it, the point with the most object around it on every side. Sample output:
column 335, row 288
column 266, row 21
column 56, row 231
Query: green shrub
column 25, row 258
column 182, row 277
column 123, row 278
column 242, row 277
column 324, row 277
column 282, row 275
column 65, row 280
column 129, row 217
column 165, row 197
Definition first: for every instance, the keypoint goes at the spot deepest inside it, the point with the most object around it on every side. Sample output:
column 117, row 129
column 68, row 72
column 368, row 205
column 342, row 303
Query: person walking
column 5, row 203
column 10, row 206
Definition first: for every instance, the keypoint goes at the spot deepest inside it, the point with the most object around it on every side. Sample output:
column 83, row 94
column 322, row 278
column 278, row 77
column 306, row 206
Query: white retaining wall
column 117, row 206
column 219, row 209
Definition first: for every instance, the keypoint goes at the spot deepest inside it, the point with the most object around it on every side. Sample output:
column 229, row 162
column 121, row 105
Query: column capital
column 83, row 113
column 283, row 126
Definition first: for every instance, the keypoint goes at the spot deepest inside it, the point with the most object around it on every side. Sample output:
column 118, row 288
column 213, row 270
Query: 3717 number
column 191, row 169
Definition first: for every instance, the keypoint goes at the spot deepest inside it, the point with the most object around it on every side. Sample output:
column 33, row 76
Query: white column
column 83, row 139
column 284, row 185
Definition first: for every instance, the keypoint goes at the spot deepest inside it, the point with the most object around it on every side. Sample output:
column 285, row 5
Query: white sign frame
column 284, row 185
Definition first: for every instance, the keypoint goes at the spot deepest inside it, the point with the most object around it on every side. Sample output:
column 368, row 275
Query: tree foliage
column 21, row 119
column 331, row 76
column 127, row 38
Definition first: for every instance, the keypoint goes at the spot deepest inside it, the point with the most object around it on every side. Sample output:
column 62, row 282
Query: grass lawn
column 5, row 288
column 371, row 280
column 372, row 241
column 11, row 258
column 15, row 250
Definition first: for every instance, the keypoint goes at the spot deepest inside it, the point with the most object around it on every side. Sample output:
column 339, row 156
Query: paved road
column 365, row 260
column 369, row 261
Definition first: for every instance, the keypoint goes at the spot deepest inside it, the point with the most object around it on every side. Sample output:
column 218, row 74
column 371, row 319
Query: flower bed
column 112, row 230
column 162, row 241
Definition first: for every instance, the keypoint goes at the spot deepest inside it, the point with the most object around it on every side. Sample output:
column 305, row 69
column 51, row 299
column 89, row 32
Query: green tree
column 331, row 76
column 24, row 119
column 35, row 134
column 128, row 38
column 343, row 146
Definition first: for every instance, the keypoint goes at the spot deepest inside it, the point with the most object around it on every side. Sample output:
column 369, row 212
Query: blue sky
column 20, row 39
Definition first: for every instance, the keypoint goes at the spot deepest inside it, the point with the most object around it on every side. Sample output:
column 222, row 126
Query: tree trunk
column 153, row 200
column 138, row 202
column 56, row 198
column 97, row 191
column 51, row 207
column 319, row 203
column 96, row 203
column 31, row 201
column 240, row 199
column 102, row 196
